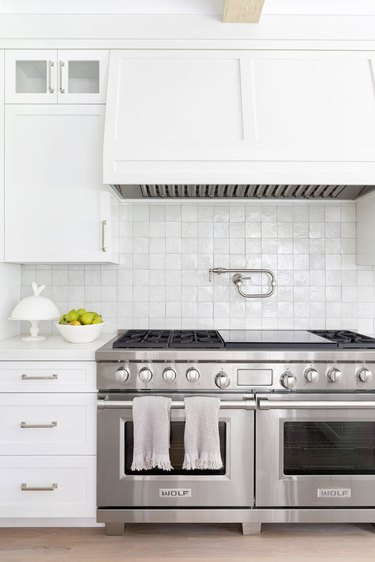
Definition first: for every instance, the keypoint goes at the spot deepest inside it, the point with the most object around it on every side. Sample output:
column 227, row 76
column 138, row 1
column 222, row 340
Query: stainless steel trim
column 51, row 64
column 178, row 404
column 53, row 377
column 264, row 404
column 305, row 356
column 26, row 488
column 308, row 515
column 61, row 66
column 25, row 425
column 104, row 245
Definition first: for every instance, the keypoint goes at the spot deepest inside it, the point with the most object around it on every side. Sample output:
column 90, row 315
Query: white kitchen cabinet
column 31, row 76
column 2, row 156
column 56, row 76
column 194, row 116
column 47, row 442
column 47, row 376
column 56, row 207
column 82, row 76
column 47, row 424
column 47, row 486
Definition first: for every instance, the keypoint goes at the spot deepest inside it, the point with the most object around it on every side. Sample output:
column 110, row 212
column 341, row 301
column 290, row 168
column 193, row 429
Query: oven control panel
column 229, row 376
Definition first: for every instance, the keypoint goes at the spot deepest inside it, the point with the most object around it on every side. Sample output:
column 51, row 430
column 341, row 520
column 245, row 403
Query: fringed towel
column 151, row 433
column 202, row 441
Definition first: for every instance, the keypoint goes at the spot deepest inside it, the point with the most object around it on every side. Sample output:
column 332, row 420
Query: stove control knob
column 334, row 375
column 311, row 375
column 288, row 380
column 193, row 375
column 145, row 375
column 365, row 375
column 222, row 380
column 122, row 374
column 169, row 375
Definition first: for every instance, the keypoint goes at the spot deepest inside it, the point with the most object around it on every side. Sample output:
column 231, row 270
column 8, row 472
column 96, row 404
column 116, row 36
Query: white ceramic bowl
column 80, row 334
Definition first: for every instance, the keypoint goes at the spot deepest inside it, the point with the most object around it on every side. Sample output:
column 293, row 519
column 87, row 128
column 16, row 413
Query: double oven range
column 296, row 426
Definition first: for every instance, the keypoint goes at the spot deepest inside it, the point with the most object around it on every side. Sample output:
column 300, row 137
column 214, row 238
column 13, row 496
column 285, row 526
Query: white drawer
column 68, row 424
column 47, row 376
column 68, row 486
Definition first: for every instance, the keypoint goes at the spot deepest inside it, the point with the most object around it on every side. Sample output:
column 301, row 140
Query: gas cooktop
column 243, row 339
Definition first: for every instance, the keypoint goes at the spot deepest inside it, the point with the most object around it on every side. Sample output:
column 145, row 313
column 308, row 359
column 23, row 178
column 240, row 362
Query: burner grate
column 346, row 338
column 177, row 339
column 196, row 339
column 143, row 339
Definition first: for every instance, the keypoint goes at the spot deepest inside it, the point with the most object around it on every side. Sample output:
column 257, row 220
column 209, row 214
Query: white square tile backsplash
column 166, row 250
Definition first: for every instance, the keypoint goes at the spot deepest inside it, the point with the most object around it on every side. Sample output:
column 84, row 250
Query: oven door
column 314, row 450
column 119, row 486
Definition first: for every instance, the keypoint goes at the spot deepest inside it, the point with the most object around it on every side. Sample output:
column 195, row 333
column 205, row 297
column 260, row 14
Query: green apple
column 81, row 311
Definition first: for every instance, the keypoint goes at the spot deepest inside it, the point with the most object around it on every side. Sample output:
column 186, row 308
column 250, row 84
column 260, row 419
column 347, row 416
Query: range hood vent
column 243, row 191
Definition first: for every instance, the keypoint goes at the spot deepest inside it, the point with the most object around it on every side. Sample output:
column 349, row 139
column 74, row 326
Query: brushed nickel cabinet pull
column 104, row 245
column 51, row 64
column 25, row 425
column 26, row 488
column 61, row 66
column 25, row 377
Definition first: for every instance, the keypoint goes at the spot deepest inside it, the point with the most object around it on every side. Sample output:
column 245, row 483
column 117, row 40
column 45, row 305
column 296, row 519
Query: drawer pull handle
column 26, row 488
column 25, row 377
column 25, row 425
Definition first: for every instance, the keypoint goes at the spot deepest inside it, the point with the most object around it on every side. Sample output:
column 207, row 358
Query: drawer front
column 47, row 376
column 47, row 486
column 47, row 424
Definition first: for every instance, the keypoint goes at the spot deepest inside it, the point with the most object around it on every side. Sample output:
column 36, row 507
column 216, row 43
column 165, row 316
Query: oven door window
column 176, row 452
column 329, row 448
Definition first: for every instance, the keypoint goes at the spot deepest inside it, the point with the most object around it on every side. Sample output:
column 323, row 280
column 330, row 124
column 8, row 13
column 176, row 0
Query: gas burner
column 143, row 339
column 346, row 338
column 176, row 339
column 196, row 339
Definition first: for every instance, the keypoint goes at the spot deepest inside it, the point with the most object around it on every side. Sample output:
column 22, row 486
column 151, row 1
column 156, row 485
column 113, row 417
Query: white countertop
column 54, row 348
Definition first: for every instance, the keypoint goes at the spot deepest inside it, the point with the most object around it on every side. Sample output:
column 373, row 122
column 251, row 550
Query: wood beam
column 242, row 11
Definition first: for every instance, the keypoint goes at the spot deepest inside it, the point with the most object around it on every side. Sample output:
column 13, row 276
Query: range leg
column 114, row 529
column 251, row 528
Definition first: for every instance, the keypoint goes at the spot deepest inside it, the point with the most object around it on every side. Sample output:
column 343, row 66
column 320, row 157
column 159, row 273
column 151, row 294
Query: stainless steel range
column 296, row 427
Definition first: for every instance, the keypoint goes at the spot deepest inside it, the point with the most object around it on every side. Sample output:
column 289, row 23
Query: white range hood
column 240, row 123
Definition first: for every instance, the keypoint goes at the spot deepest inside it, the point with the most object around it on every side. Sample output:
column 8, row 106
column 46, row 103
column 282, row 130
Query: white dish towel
column 151, row 419
column 202, row 441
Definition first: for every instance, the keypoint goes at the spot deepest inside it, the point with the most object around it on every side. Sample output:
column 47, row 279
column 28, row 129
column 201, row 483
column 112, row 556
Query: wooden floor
column 160, row 543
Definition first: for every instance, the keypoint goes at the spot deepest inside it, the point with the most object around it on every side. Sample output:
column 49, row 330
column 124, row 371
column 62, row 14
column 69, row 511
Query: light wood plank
column 242, row 11
column 198, row 543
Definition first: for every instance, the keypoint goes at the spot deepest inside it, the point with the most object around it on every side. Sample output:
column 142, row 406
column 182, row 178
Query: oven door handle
column 247, row 404
column 264, row 404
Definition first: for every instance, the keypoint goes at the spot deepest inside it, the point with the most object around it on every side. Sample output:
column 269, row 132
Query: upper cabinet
column 56, row 206
column 240, row 116
column 51, row 76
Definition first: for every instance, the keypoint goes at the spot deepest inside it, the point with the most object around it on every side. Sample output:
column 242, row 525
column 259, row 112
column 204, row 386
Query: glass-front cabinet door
column 82, row 76
column 51, row 76
column 31, row 76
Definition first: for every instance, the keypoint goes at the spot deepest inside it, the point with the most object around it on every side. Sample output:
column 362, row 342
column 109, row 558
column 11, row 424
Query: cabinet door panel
column 30, row 76
column 311, row 106
column 48, row 424
column 53, row 182
column 73, row 495
column 82, row 76
column 47, row 376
